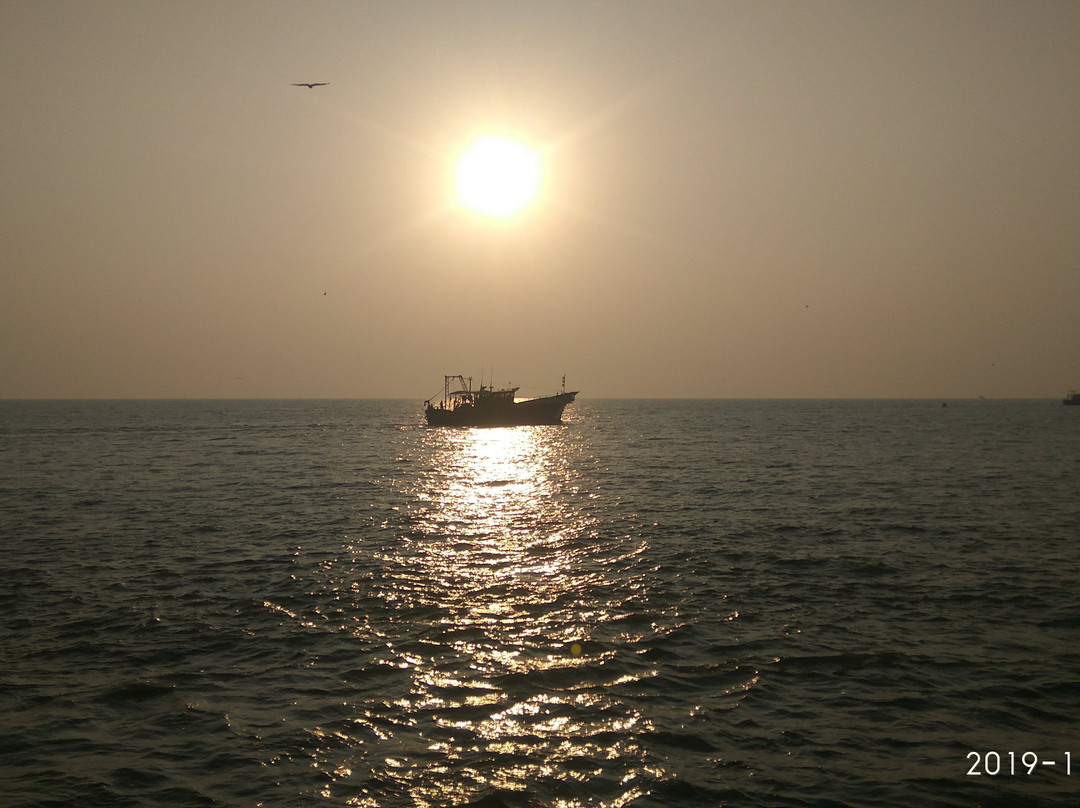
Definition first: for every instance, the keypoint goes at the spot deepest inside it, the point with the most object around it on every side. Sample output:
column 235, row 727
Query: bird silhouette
column 311, row 84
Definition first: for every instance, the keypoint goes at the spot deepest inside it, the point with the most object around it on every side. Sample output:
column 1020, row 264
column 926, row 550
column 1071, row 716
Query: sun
column 497, row 176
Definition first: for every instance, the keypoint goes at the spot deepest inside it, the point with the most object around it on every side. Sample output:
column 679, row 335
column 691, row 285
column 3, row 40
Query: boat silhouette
column 487, row 406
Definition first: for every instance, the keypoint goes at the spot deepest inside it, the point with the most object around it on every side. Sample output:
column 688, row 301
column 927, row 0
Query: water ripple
column 659, row 604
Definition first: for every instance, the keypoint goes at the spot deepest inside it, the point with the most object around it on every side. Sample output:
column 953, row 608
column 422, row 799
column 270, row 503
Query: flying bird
column 312, row 84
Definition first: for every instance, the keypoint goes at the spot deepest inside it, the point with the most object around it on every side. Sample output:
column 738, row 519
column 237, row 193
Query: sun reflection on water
column 497, row 573
column 498, row 538
column 498, row 634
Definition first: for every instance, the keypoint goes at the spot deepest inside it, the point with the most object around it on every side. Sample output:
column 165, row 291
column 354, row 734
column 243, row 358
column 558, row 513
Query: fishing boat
column 486, row 406
column 1072, row 398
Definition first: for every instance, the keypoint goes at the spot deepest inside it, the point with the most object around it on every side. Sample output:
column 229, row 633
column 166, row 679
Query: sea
column 657, row 603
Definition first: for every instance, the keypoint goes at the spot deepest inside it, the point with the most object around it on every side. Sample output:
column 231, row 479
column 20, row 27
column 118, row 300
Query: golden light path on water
column 495, row 629
column 500, row 547
column 490, row 620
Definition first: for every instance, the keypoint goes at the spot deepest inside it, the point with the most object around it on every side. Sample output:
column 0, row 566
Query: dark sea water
column 660, row 603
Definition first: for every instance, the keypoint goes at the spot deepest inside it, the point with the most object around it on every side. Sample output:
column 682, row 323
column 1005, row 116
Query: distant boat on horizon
column 490, row 407
column 1072, row 398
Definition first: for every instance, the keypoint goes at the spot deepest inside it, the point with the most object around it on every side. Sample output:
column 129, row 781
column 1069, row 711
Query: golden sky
column 737, row 199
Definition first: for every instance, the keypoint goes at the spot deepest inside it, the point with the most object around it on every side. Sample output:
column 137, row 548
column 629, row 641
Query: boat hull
column 530, row 412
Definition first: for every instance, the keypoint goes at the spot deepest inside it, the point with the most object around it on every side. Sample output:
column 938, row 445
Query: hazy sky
column 738, row 199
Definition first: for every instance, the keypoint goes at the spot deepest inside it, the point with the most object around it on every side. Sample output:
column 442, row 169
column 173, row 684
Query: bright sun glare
column 498, row 176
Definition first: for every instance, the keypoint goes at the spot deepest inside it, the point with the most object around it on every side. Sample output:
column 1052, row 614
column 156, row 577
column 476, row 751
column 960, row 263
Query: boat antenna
column 564, row 382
